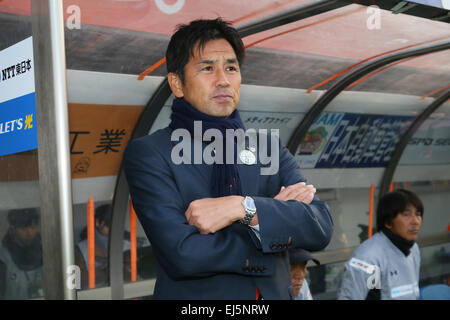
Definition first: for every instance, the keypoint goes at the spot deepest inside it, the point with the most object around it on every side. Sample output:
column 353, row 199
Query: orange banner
column 98, row 137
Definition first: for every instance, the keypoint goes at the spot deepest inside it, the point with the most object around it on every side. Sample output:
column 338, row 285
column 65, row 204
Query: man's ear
column 388, row 225
column 175, row 84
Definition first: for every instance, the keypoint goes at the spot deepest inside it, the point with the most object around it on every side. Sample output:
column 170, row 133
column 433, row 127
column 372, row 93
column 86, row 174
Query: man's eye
column 232, row 68
column 208, row 68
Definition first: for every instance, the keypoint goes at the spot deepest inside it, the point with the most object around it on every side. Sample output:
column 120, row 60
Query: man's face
column 212, row 79
column 298, row 273
column 102, row 227
column 27, row 234
column 407, row 224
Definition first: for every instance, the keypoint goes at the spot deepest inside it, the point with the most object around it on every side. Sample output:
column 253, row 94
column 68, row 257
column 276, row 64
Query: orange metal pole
column 91, row 241
column 371, row 198
column 367, row 59
column 163, row 60
column 378, row 71
column 302, row 27
column 133, row 242
column 434, row 92
column 391, row 186
column 254, row 13
column 152, row 68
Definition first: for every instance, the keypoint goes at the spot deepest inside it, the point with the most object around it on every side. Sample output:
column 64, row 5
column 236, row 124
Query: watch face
column 249, row 203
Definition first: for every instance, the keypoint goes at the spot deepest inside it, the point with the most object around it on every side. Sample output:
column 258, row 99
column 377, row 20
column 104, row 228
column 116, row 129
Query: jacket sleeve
column 292, row 223
column 362, row 274
column 181, row 250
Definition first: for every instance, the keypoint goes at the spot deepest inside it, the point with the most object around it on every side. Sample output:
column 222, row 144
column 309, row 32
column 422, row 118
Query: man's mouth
column 297, row 285
column 222, row 97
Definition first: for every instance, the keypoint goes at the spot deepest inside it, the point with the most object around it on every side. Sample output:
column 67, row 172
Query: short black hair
column 393, row 203
column 183, row 41
column 24, row 217
column 103, row 213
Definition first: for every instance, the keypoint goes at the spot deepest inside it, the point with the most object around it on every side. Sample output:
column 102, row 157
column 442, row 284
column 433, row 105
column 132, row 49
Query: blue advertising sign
column 18, row 131
column 350, row 140
column 443, row 4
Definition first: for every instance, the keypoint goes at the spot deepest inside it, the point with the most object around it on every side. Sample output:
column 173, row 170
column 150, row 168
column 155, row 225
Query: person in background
column 21, row 274
column 386, row 266
column 298, row 259
column 103, row 215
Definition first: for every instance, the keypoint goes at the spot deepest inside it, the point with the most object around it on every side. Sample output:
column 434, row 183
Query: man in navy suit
column 219, row 230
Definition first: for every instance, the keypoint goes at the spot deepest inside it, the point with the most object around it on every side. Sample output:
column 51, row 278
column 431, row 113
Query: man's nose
column 221, row 78
column 31, row 232
column 417, row 219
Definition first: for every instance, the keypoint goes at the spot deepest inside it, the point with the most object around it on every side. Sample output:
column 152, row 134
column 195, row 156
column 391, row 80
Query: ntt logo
column 15, row 70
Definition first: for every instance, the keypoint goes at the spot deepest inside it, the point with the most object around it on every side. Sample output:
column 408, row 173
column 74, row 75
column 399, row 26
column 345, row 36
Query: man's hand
column 299, row 191
column 212, row 214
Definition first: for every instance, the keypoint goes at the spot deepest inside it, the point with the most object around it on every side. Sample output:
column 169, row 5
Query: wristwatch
column 250, row 210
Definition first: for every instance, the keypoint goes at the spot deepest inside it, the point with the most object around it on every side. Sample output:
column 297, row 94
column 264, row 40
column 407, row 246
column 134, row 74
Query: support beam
column 347, row 79
column 292, row 15
column 55, row 182
column 404, row 139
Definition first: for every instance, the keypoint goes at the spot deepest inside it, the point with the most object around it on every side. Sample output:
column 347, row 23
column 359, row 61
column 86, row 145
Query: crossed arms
column 195, row 238
column 209, row 215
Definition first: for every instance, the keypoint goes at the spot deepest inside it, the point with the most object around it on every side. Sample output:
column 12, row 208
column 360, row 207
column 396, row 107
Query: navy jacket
column 230, row 263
